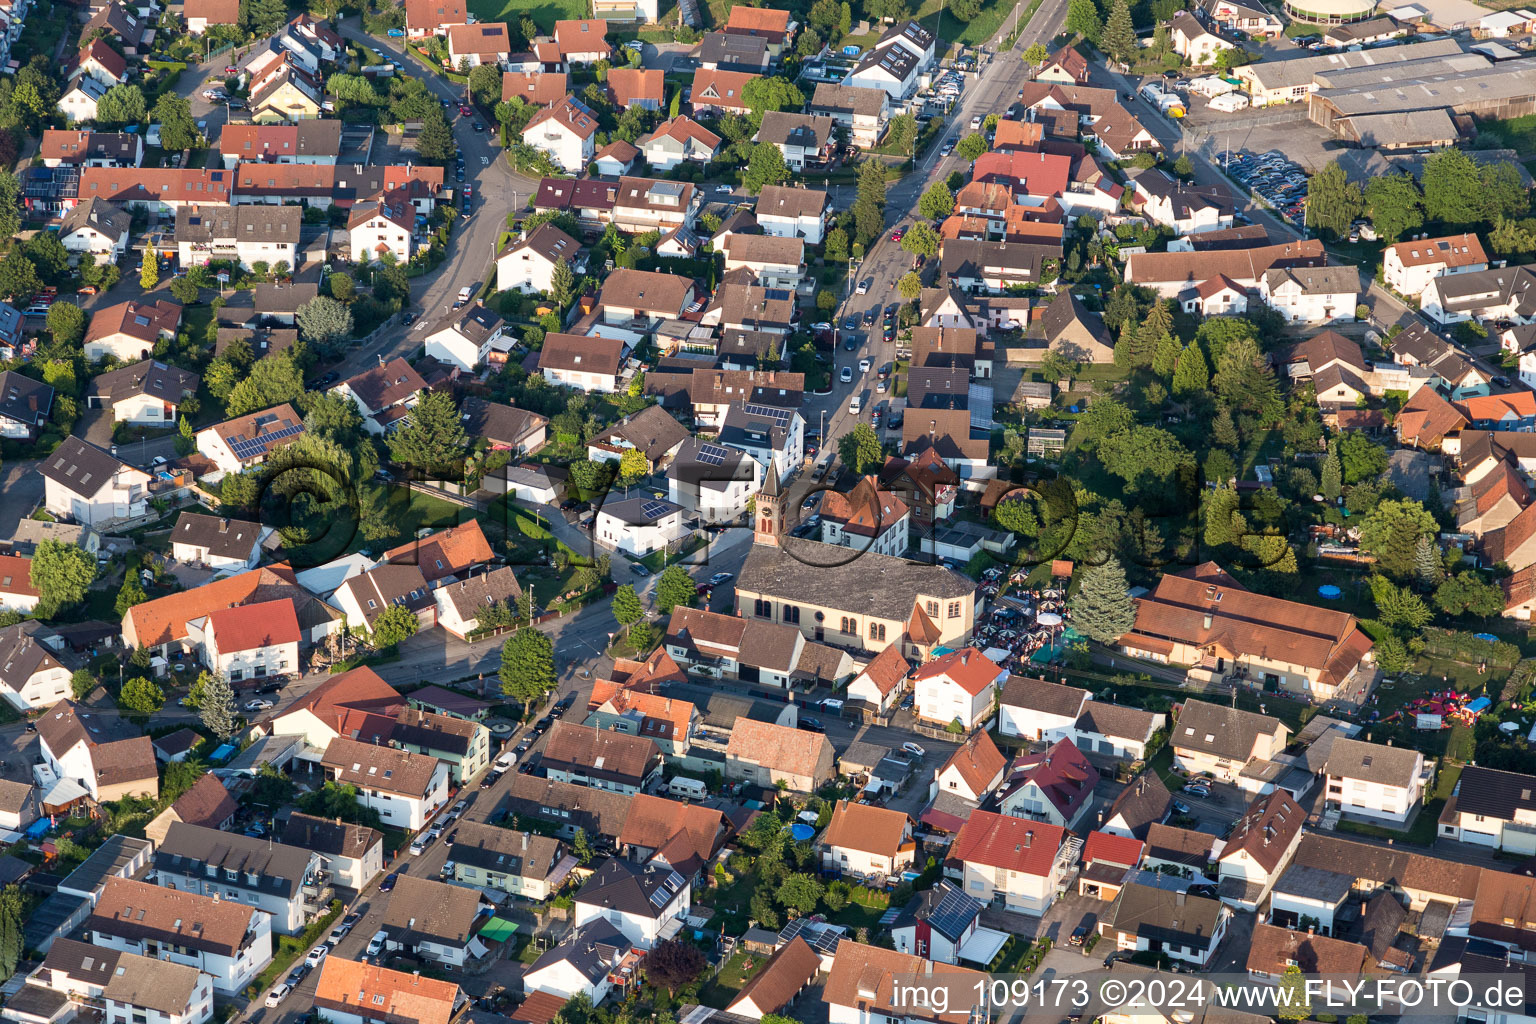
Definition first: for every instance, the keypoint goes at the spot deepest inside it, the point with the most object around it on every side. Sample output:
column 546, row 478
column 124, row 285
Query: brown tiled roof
column 630, row 758
column 791, row 751
column 337, row 839
column 1266, row 829
column 978, row 761
column 1003, row 841
column 947, row 431
column 865, row 827
column 1455, row 251
column 569, row 114
column 888, row 669
column 215, row 12
column 586, row 35
column 1142, row 804
column 864, row 977
column 433, row 15
column 717, row 88
column 138, row 910
column 145, row 321
column 792, row 967
column 1179, row 845
column 485, row 38
column 769, row 249
column 207, row 803
column 682, row 128
column 1384, row 864
column 1426, row 418
column 1504, row 908
column 378, row 767
column 1503, row 544
column 646, row 290
column 866, row 510
column 1372, row 762
column 1046, row 697
column 575, row 352
column 539, row 88
column 445, row 552
column 1247, row 264
column 632, row 85
column 1272, row 949
column 1329, row 346
column 654, row 822
column 782, row 201
column 376, row 993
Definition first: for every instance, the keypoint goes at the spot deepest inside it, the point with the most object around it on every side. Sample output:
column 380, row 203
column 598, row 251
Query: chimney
column 1029, row 839
column 1178, row 899
column 223, row 525
column 525, row 842
column 1311, row 930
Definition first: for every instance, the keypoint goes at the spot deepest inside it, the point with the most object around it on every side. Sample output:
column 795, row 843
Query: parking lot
column 1273, row 177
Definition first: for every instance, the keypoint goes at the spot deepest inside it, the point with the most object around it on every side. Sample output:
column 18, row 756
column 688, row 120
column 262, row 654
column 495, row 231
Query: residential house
column 17, row 594
column 666, row 721
column 1180, row 851
column 1170, row 273
column 270, row 877
column 1498, row 293
column 638, row 526
column 528, row 264
column 652, row 431
column 1011, row 862
column 252, row 641
column 637, row 87
column 104, row 755
column 536, row 88
column 1181, row 926
column 566, row 132
column 646, row 903
column 643, row 299
column 352, row 853
column 1259, row 846
column 286, row 91
column 129, row 986
column 590, row 363
column 460, row 603
column 35, row 672
column 1312, row 294
column 684, row 836
column 904, row 52
column 1221, row 741
column 764, row 754
column 216, row 542
column 226, row 940
column 717, row 91
column 582, row 42
column 147, row 393
column 994, row 267
column 792, row 212
column 1373, row 781
column 677, row 141
column 486, row 42
column 879, row 683
column 202, row 15
column 646, row 204
column 771, row 25
column 248, row 234
column 464, row 746
column 788, row 972
column 774, row 262
column 721, row 51
column 433, row 920
column 565, row 807
column 506, row 427
column 1194, row 42
column 163, row 624
column 78, row 103
column 804, row 139
column 713, row 482
column 308, row 142
column 585, row 962
column 1409, row 267
column 1492, row 808
column 1109, row 861
column 861, row 111
column 1185, row 208
column 384, row 394
column 207, row 803
column 24, row 404
column 974, row 770
column 363, row 598
column 601, row 758
column 350, row 992
column 1054, row 786
column 1141, row 805
column 241, row 443
column 1272, row 950
column 63, row 147
column 1253, row 19
column 943, row 925
column 958, row 687
column 520, row 863
column 1074, row 332
column 405, row 788
column 867, row 842
column 96, row 227
column 870, row 519
column 432, row 17
column 1203, row 617
column 1116, row 730
column 129, row 330
column 1066, row 66
column 1036, row 710
column 374, row 229
column 469, row 337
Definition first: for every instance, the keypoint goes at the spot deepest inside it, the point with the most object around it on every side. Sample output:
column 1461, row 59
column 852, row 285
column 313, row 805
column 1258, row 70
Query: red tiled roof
column 1519, row 404
column 250, row 626
column 16, row 576
column 445, row 552
column 967, row 667
column 167, row 184
column 867, row 828
column 888, row 669
column 586, row 35
column 1112, row 849
column 1001, row 841
column 1039, row 174
column 631, row 85
column 164, row 620
column 977, row 760
column 540, row 89
column 1062, row 773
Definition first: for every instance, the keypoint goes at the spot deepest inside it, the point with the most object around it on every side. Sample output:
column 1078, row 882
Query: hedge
column 1459, row 645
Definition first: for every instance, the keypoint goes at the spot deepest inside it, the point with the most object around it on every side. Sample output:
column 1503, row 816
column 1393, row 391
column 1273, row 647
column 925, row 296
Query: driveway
column 21, row 491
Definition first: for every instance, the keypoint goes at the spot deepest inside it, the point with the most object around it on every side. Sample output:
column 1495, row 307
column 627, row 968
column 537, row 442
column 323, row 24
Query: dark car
column 407, row 318
column 892, row 308
column 389, row 881
column 270, row 687
column 851, row 344
column 1079, row 934
column 526, row 768
column 639, row 570
column 546, row 722
column 351, row 919
column 869, row 317
column 812, row 724
column 850, row 323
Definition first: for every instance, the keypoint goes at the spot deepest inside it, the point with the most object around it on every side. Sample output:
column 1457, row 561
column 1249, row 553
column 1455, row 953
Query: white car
column 847, row 375
column 864, row 365
column 914, row 749
column 724, row 190
column 258, row 705
column 277, row 995
column 317, row 954
column 419, row 846
column 376, row 943
column 864, row 286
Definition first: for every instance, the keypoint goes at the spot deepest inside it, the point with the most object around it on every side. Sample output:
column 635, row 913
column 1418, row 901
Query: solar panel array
column 779, row 416
column 955, row 911
column 655, row 509
column 668, row 888
column 247, row 447
column 713, row 454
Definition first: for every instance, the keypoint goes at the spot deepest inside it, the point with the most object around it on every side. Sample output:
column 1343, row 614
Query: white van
column 505, row 761
column 687, row 789
column 466, row 292
column 856, row 403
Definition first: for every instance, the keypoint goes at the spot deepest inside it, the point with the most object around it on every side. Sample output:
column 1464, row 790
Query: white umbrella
column 1048, row 619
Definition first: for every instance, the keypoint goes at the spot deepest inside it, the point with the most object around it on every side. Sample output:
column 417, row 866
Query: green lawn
column 1517, row 133
column 720, row 990
column 543, row 12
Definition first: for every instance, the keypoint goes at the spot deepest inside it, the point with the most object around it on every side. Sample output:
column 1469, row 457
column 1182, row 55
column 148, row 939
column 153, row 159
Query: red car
column 464, row 109
column 896, row 235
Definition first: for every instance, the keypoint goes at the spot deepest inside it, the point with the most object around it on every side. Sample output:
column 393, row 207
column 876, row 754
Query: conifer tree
column 1102, row 607
column 1190, row 375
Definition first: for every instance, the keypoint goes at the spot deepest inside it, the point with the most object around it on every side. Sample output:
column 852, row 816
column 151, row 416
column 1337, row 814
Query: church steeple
column 770, row 510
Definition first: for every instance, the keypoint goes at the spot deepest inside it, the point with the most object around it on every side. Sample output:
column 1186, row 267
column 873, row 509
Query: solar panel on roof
column 713, row 454
column 655, row 509
column 954, row 912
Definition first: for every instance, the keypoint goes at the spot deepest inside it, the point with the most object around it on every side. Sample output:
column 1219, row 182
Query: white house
column 217, row 542
column 588, row 363
column 793, row 212
column 943, row 925
column 896, row 61
column 1187, row 209
column 466, row 337
column 1033, row 709
column 127, row 984
column 105, row 756
column 638, row 526
column 79, row 101
column 376, row 228
column 646, row 903
column 249, row 233
column 1312, row 294
column 713, row 482
column 147, row 393
column 566, row 132
column 973, row 771
column 384, row 395
column 772, row 435
column 1492, row 808
column 678, row 141
column 459, row 603
column 486, row 42
column 802, row 138
column 250, row 641
column 1055, row 785
column 863, row 841
column 229, row 941
column 433, row 921
column 861, row 988
column 130, row 330
column 96, row 227
column 956, row 687
column 33, row 673
column 405, row 788
column 1374, row 781
column 17, row 594
column 1258, row 849
column 1011, row 862
column 1408, row 267
column 85, row 484
column 1194, row 42
column 1179, row 925
column 774, row 262
column 881, row 682
column 259, row 873
column 238, row 444
column 528, row 264
column 352, row 853
column 584, row 963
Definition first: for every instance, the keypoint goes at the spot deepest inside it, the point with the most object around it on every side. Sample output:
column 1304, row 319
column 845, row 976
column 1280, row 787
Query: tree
column 435, row 141
column 178, row 130
column 563, row 283
column 485, row 84
column 1243, row 378
column 12, row 943
column 674, row 587
column 1333, row 201
column 1119, row 36
column 869, row 202
column 836, row 245
column 323, row 319
column 273, row 380
column 1391, row 532
column 263, row 17
column 972, row 147
column 1503, row 191
column 1146, row 458
column 626, row 606
column 799, row 892
column 910, row 286
column 1467, row 593
column 860, row 449
column 1513, row 238
column 216, row 707
column 921, row 240
column 1036, row 54
column 10, row 204
column 633, row 467
column 141, row 696
column 1398, row 607
column 128, row 595
column 394, row 624
column 937, row 202
column 766, row 93
column 674, row 964
column 581, row 846
column 1016, row 515
column 18, row 278
column 1394, row 205
column 1190, row 374
column 766, row 168
column 1102, row 607
column 61, row 574
column 48, row 256
column 527, row 665
column 121, row 105
column 1333, row 473
column 66, row 322
column 150, row 275
column 435, row 435
column 1292, row 1001
column 1083, row 19
column 1363, row 459
column 183, row 290
column 1452, row 188
column 1427, row 567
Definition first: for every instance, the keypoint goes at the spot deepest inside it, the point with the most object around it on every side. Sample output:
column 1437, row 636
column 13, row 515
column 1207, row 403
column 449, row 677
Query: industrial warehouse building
column 1456, row 86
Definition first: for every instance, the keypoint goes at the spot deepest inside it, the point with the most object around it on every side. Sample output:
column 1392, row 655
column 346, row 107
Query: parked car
column 298, row 974
column 277, row 995
column 810, row 724
column 847, row 375
column 719, row 578
column 914, row 749
column 864, row 286
column 259, row 704
column 1195, row 789
column 639, row 570
column 1079, row 934
column 1180, row 807
column 376, row 944
column 385, row 886
column 724, row 190
column 317, row 954
column 338, row 933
